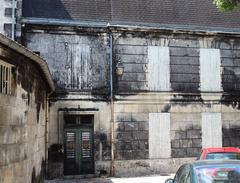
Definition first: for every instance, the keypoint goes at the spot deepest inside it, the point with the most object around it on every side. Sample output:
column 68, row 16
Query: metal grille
column 70, row 145
column 86, row 145
column 5, row 78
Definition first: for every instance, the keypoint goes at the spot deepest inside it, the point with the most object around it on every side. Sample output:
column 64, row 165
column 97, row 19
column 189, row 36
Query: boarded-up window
column 159, row 135
column 79, row 70
column 211, row 130
column 210, row 70
column 158, row 68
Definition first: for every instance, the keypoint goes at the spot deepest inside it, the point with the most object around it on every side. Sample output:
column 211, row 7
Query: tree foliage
column 227, row 5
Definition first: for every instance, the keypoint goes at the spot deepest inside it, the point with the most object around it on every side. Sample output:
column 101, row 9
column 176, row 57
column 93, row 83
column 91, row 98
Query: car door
column 182, row 174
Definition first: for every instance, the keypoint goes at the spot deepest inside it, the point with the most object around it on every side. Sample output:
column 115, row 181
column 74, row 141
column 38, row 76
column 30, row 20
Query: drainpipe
column 112, row 105
column 46, row 130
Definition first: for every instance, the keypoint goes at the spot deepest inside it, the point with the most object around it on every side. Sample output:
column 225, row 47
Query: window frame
column 5, row 78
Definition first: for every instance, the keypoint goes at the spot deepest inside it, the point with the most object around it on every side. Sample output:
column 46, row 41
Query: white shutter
column 210, row 70
column 211, row 130
column 158, row 68
column 159, row 135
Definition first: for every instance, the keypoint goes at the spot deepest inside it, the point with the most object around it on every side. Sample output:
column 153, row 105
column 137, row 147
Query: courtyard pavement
column 148, row 179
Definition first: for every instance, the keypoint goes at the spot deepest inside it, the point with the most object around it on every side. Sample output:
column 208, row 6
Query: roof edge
column 131, row 25
column 31, row 55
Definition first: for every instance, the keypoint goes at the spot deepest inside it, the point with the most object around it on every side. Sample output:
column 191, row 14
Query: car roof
column 221, row 149
column 201, row 163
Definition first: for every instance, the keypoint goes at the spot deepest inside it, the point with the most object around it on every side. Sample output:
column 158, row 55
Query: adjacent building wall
column 10, row 14
column 22, row 122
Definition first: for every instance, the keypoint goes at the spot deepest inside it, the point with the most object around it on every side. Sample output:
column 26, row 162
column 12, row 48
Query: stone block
column 185, row 117
column 179, row 153
column 122, row 117
column 175, row 144
column 197, row 142
column 128, row 49
column 180, row 135
column 139, row 154
column 185, row 143
column 5, row 117
column 184, row 43
column 140, row 135
column 120, row 127
column 19, row 170
column 184, row 52
column 119, row 108
column 135, row 145
column 131, row 126
column 130, row 108
column 143, row 145
column 6, row 174
column 142, row 126
column 194, row 134
column 193, row 152
column 124, row 136
column 127, row 155
column 139, row 117
column 131, row 41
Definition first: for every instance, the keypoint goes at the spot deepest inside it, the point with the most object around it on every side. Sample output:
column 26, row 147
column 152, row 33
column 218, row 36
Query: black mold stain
column 231, row 137
column 166, row 108
column 41, row 176
column 186, row 99
column 232, row 100
column 231, row 87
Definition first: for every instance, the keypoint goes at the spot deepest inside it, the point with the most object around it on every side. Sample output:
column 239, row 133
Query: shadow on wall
column 45, row 9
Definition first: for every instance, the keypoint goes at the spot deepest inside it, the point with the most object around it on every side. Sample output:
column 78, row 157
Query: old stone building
column 178, row 92
column 10, row 14
column 25, row 83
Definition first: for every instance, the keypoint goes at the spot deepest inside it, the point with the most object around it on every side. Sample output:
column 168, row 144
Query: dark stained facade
column 177, row 94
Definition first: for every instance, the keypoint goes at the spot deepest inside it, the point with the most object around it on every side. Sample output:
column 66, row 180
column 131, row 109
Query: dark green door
column 78, row 150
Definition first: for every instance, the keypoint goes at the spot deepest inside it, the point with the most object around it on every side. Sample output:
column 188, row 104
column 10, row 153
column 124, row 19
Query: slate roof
column 172, row 12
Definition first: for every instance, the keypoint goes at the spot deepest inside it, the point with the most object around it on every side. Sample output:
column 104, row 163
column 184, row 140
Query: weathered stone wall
column 22, row 123
column 135, row 100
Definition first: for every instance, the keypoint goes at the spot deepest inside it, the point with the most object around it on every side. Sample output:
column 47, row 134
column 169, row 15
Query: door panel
column 70, row 165
column 86, row 165
column 79, row 151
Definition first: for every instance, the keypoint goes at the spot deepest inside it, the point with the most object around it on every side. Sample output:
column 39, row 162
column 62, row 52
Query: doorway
column 78, row 145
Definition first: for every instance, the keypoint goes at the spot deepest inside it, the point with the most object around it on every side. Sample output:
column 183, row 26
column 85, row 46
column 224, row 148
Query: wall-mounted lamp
column 119, row 69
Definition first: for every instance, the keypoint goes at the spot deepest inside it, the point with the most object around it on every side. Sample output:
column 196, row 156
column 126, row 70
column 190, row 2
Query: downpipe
column 112, row 105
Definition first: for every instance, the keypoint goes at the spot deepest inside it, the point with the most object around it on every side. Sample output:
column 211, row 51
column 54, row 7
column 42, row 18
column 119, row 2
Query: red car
column 220, row 153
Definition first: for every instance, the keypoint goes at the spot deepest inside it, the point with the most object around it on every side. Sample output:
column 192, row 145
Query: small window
column 5, row 78
column 76, row 120
column 8, row 12
column 7, row 29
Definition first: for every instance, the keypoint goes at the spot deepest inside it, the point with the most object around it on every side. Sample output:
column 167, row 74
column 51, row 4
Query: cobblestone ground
column 150, row 179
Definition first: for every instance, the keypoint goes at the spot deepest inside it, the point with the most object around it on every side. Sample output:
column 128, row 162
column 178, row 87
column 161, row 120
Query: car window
column 178, row 174
column 188, row 179
column 222, row 156
column 182, row 174
column 218, row 174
